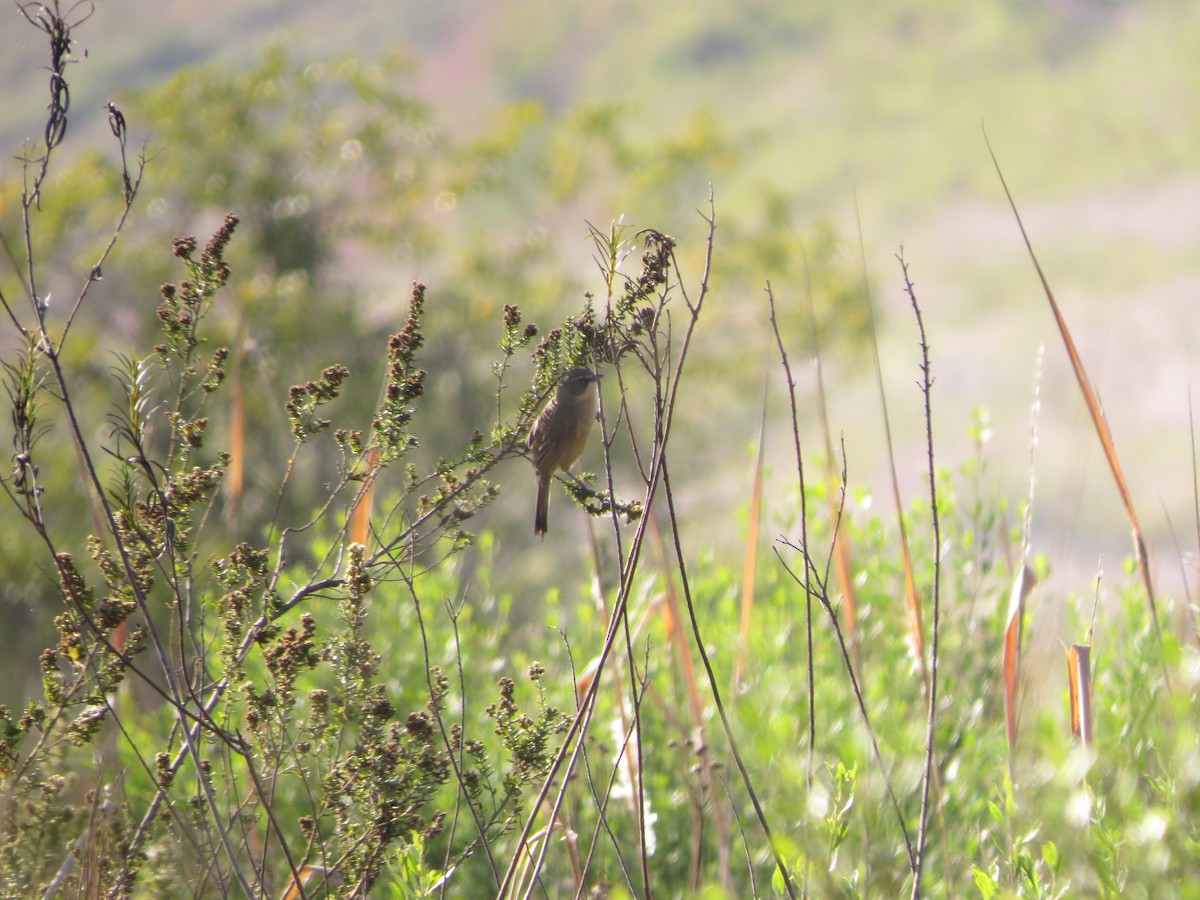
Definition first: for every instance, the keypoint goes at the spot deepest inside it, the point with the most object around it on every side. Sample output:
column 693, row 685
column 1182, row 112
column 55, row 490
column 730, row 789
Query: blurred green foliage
column 347, row 188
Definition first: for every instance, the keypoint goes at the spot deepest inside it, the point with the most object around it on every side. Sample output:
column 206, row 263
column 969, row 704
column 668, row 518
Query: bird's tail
column 541, row 514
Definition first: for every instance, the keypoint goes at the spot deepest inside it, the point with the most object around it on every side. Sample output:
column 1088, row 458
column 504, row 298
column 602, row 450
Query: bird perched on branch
column 560, row 433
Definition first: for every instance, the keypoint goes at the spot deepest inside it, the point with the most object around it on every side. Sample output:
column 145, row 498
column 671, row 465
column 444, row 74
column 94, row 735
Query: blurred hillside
column 810, row 109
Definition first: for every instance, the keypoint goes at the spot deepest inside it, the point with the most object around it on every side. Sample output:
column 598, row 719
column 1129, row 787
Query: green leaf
column 985, row 883
column 1050, row 855
column 996, row 814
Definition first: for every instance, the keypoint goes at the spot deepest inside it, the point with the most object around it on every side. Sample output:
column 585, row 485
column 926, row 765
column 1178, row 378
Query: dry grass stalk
column 528, row 856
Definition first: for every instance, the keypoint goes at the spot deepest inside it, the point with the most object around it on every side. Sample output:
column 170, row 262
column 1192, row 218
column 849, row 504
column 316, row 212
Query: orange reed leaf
column 304, row 880
column 916, row 628
column 751, row 560
column 669, row 611
column 237, row 446
column 584, row 682
column 360, row 513
column 843, row 565
column 235, row 474
column 1079, row 679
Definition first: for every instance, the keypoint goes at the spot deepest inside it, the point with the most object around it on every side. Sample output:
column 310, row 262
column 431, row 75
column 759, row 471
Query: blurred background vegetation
column 478, row 148
column 468, row 144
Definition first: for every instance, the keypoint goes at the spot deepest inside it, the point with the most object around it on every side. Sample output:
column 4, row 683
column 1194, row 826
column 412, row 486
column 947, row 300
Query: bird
column 560, row 433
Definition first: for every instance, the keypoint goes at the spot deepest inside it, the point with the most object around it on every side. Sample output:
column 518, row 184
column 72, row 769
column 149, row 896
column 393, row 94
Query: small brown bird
column 560, row 433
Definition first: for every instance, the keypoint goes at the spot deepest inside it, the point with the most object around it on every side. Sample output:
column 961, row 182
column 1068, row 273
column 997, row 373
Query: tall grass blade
column 235, row 475
column 584, row 682
column 1027, row 524
column 1196, row 512
column 718, row 815
column 1092, row 402
column 912, row 598
column 1187, row 616
column 843, row 562
column 669, row 610
column 1021, row 588
column 807, row 582
column 916, row 628
column 750, row 562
